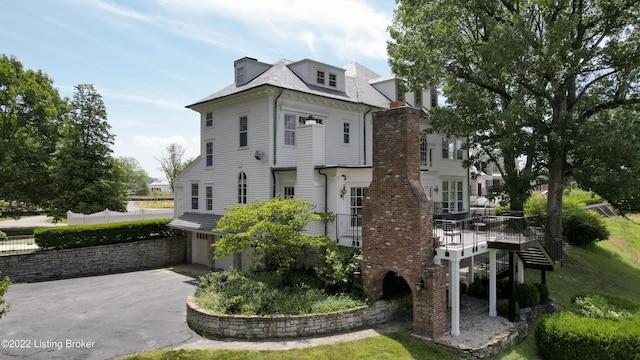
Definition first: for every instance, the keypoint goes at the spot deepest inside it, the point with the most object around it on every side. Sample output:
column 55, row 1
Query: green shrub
column 234, row 293
column 569, row 336
column 66, row 237
column 3, row 235
column 502, row 307
column 337, row 269
column 4, row 286
column 605, row 306
column 581, row 226
column 527, row 295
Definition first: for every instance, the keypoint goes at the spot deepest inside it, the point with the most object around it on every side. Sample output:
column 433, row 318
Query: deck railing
column 514, row 229
column 349, row 226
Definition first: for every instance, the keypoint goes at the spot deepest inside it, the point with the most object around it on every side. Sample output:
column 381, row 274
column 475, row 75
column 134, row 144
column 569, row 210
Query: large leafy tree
column 133, row 175
column 274, row 229
column 86, row 176
column 31, row 112
column 173, row 162
column 611, row 166
column 525, row 74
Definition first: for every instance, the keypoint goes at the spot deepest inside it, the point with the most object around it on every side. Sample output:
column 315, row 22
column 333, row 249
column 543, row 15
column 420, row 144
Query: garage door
column 200, row 251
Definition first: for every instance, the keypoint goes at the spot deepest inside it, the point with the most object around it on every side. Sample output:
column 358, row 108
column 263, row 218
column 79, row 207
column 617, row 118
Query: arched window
column 242, row 188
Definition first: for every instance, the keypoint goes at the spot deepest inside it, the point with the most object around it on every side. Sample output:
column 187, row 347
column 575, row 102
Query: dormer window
column 332, row 80
column 320, row 77
column 240, row 75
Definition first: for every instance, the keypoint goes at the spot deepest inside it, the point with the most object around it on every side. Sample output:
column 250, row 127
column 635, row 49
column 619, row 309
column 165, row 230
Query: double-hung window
column 290, row 123
column 244, row 132
column 333, row 80
column 209, row 197
column 452, row 149
column 209, row 153
column 194, row 196
column 320, row 77
column 346, row 133
column 208, row 119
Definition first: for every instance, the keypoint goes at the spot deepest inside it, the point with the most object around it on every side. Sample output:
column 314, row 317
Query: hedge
column 67, row 237
column 568, row 336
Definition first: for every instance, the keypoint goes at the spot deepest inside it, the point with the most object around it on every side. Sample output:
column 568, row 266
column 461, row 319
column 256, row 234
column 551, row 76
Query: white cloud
column 347, row 28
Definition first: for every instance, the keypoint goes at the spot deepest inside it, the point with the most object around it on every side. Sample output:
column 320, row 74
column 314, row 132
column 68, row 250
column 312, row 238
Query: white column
column 454, row 290
column 492, row 283
column 450, row 287
column 520, row 271
column 471, row 274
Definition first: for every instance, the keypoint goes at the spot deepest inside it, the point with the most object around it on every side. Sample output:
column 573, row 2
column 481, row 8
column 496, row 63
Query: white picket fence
column 108, row 216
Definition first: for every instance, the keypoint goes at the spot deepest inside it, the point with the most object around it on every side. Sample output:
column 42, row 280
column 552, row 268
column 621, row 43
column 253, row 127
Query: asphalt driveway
column 100, row 317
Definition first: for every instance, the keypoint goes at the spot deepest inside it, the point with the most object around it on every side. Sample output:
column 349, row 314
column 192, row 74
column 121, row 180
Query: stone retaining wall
column 209, row 324
column 93, row 260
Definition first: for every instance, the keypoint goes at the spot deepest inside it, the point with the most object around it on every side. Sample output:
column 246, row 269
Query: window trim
column 242, row 188
column 208, row 195
column 195, row 197
column 208, row 154
column 346, row 133
column 320, row 77
column 208, row 119
column 333, row 80
column 291, row 129
column 288, row 191
column 244, row 131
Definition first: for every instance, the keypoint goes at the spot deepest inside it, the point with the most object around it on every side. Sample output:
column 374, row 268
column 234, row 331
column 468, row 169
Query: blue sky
column 150, row 58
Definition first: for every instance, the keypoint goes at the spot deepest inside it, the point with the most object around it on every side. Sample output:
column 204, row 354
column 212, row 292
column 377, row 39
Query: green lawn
column 609, row 266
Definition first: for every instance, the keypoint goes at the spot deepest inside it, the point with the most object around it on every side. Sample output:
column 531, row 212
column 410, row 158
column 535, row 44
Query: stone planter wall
column 93, row 260
column 210, row 324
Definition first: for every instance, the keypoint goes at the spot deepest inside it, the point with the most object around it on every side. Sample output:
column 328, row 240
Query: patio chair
column 451, row 231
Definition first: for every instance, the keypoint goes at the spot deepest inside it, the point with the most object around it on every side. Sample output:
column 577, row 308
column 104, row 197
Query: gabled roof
column 196, row 222
column 357, row 85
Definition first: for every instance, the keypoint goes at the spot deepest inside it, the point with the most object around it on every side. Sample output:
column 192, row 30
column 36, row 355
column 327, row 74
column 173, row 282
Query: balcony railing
column 349, row 227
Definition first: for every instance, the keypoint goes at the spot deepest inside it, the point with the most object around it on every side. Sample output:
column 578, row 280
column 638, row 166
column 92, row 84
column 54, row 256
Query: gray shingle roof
column 196, row 222
column 357, row 85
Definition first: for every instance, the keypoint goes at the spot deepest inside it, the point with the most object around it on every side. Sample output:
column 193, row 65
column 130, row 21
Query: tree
column 31, row 112
column 133, row 175
column 274, row 229
column 610, row 167
column 86, row 176
column 541, row 69
column 173, row 162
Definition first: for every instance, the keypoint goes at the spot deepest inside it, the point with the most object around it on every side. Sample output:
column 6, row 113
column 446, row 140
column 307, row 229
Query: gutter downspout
column 275, row 126
column 275, row 140
column 325, row 198
column 364, row 134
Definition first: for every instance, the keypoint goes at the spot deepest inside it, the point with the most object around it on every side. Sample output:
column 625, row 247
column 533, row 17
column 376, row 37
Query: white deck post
column 454, row 287
column 470, row 274
column 520, row 271
column 492, row 283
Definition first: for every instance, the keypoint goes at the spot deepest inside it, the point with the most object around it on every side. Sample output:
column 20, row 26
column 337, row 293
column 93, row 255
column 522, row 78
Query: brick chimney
column 397, row 221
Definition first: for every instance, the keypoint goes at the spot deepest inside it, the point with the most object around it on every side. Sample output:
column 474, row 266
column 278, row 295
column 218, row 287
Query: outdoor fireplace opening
column 394, row 286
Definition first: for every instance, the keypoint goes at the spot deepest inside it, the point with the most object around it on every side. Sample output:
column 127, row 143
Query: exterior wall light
column 420, row 284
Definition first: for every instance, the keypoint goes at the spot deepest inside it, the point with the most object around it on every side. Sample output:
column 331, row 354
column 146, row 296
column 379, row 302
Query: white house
column 160, row 185
column 302, row 129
